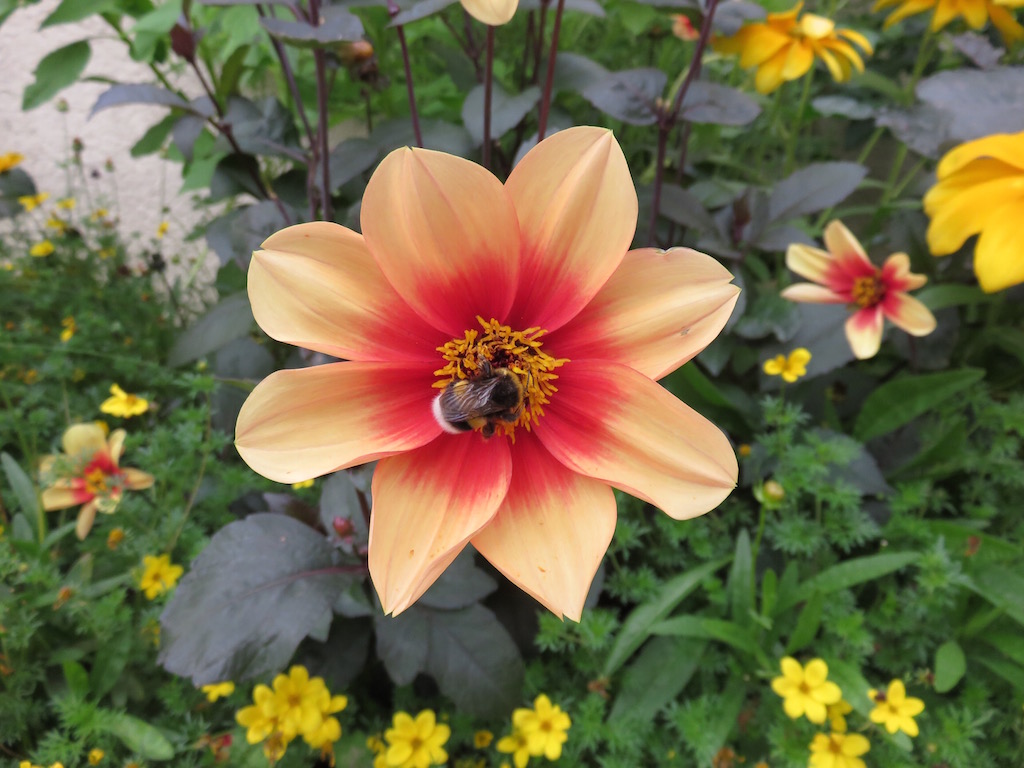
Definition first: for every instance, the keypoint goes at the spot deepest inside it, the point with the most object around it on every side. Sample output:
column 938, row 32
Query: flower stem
column 326, row 205
column 488, row 93
column 549, row 76
column 924, row 55
column 393, row 10
column 794, row 135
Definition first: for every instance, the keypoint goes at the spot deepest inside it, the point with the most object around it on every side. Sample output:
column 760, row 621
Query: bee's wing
column 463, row 400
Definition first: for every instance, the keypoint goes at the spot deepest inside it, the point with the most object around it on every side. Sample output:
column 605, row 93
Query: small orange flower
column 88, row 473
column 845, row 275
column 524, row 297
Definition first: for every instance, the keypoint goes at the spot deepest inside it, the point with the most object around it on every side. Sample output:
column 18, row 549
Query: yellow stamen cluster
column 867, row 291
column 519, row 351
column 96, row 481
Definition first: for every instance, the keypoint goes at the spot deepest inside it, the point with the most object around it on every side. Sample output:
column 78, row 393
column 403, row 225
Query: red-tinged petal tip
column 552, row 530
column 302, row 423
column 427, row 504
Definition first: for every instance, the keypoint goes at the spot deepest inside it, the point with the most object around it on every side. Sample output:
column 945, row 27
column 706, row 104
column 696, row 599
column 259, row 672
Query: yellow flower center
column 867, row 291
column 495, row 351
column 835, row 746
column 96, row 481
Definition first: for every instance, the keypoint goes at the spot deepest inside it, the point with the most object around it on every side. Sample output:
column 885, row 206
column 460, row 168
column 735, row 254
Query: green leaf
column 24, row 491
column 337, row 25
column 717, row 105
column 950, row 666
column 139, row 736
column 645, row 688
column 349, row 159
column 628, row 96
column 1010, row 672
column 902, row 400
column 138, row 93
column 1001, row 587
column 56, row 71
column 76, row 10
column 155, row 136
column 813, row 188
column 108, row 664
column 937, row 297
column 460, row 585
column 229, row 320
column 706, row 628
column 260, row 586
column 637, row 626
column 14, row 183
column 741, row 581
column 807, row 624
column 769, row 591
column 846, row 574
column 507, row 111
column 77, row 679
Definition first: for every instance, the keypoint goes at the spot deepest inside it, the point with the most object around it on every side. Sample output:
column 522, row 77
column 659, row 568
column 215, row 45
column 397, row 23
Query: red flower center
column 867, row 291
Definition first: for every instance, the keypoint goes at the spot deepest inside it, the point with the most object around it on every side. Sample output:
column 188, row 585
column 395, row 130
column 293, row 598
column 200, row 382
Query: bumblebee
column 496, row 395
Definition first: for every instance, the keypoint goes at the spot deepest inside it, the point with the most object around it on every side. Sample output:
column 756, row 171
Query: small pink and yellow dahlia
column 458, row 280
column 845, row 275
column 88, row 473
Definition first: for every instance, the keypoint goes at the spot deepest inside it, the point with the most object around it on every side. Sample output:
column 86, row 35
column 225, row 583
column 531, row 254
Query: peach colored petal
column 86, row 518
column 577, row 210
column 613, row 424
column 83, row 440
column 302, row 423
column 444, row 233
column 427, row 504
column 657, row 311
column 62, row 498
column 317, row 286
column 115, row 445
column 908, row 313
column 552, row 530
column 814, row 294
column 136, row 479
column 844, row 247
column 999, row 253
column 493, row 12
column 864, row 331
column 810, row 263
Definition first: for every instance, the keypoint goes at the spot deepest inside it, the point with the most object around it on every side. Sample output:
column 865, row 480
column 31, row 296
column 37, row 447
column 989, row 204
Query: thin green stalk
column 207, row 431
column 762, row 516
column 924, row 55
column 794, row 136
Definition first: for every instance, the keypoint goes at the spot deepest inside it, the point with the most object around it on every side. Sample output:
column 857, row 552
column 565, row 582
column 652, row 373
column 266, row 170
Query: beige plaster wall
column 139, row 188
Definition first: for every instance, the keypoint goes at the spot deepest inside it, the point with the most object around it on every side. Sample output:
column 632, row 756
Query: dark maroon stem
column 326, row 206
column 488, row 92
column 393, row 10
column 549, row 76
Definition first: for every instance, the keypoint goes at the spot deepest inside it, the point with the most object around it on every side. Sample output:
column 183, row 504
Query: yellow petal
column 761, row 44
column 136, row 479
column 493, row 12
column 799, row 59
column 86, row 518
column 811, row 263
column 999, row 253
column 896, row 272
column 317, row 286
column 1002, row 146
column 657, row 311
column 115, row 445
column 613, row 424
column 909, row 314
column 813, row 294
column 577, row 211
column 841, row 243
column 60, row 498
column 769, row 74
column 83, row 440
column 552, row 530
column 303, row 423
column 444, row 233
column 864, row 332
column 426, row 505
column 970, row 211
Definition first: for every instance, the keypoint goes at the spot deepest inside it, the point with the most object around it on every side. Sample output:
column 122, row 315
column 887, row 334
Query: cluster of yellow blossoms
column 536, row 732
column 807, row 691
column 294, row 705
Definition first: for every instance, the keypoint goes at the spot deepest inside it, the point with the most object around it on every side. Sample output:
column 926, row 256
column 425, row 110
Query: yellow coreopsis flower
column 31, row 202
column 40, row 249
column 838, row 750
column 545, row 727
column 120, row 403
column 974, row 13
column 9, row 160
column 895, row 710
column 980, row 191
column 837, row 715
column 482, row 739
column 416, row 742
column 517, row 745
column 67, row 203
column 789, row 368
column 784, row 46
column 96, row 756
column 159, row 575
column 260, row 718
column 806, row 690
column 216, row 691
column 68, row 327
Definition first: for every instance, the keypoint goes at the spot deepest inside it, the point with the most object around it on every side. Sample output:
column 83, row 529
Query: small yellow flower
column 416, row 743
column 95, row 756
column 57, row 224
column 545, row 727
column 839, row 750
column 895, row 710
column 303, row 484
column 120, row 403
column 114, row 538
column 773, row 491
column 516, row 745
column 789, row 368
column 69, row 326
column 162, row 229
column 806, row 690
column 216, row 691
column 482, row 739
column 106, row 253
column 31, row 202
column 744, row 450
column 837, row 715
column 44, row 248
column 67, row 203
column 99, row 214
column 159, row 575
column 10, row 159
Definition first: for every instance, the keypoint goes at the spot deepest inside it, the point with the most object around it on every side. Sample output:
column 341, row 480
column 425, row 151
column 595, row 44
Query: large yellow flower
column 88, row 473
column 784, row 47
column 980, row 191
column 469, row 309
column 974, row 12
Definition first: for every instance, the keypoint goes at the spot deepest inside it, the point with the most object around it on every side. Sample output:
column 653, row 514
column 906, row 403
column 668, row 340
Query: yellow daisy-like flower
column 482, row 739
column 120, row 403
column 837, row 715
column 895, row 710
column 161, row 230
column 95, row 756
column 159, row 575
column 44, row 248
column 69, row 327
column 10, row 159
column 216, row 691
column 31, row 202
column 838, row 750
column 67, row 203
column 789, row 368
column 416, row 743
column 259, row 718
column 99, row 214
column 57, row 224
column 974, row 13
column 806, row 690
column 783, row 47
column 980, row 191
column 516, row 745
column 545, row 727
